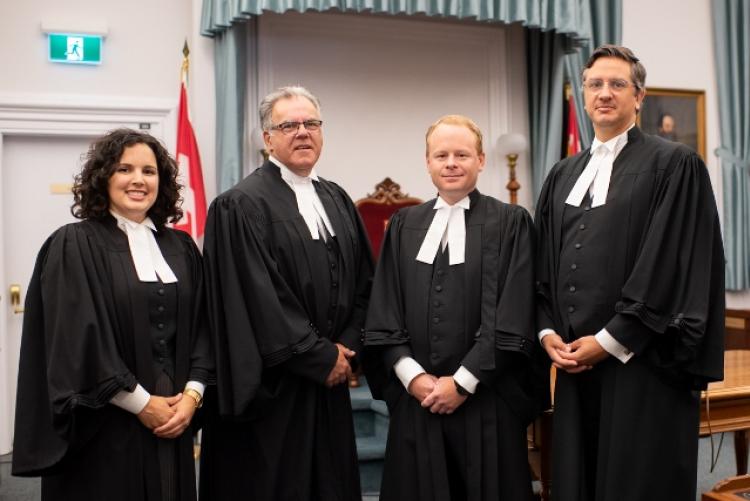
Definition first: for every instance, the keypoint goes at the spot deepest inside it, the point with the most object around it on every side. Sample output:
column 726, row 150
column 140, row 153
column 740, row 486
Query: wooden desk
column 737, row 323
column 724, row 490
column 727, row 404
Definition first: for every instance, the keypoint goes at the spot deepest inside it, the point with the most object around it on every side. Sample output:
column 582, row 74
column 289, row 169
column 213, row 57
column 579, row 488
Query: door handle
column 15, row 298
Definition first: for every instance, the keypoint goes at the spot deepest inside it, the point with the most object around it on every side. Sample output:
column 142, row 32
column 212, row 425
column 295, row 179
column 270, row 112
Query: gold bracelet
column 195, row 396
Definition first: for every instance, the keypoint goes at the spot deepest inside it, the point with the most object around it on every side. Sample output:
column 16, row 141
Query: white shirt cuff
column 197, row 386
column 134, row 401
column 466, row 379
column 406, row 369
column 544, row 332
column 612, row 346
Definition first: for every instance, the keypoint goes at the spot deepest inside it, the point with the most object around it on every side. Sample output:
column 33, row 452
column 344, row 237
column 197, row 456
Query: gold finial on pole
column 185, row 62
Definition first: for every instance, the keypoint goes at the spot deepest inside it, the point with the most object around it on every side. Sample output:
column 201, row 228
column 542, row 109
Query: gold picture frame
column 687, row 109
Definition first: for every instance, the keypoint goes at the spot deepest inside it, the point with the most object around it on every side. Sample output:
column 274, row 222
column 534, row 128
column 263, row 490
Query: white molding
column 75, row 26
column 78, row 115
column 364, row 25
column 6, row 434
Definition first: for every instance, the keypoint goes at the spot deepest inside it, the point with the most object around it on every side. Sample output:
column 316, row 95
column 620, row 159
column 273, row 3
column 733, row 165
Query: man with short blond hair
column 450, row 331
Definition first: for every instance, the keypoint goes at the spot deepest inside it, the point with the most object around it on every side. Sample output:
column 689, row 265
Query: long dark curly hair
column 91, row 186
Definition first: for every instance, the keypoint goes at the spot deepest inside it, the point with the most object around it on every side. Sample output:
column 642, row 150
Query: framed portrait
column 677, row 115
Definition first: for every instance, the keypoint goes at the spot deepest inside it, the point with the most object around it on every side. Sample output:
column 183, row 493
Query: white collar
column 464, row 203
column 290, row 176
column 122, row 222
column 448, row 226
column 308, row 202
column 613, row 145
column 147, row 257
column 598, row 171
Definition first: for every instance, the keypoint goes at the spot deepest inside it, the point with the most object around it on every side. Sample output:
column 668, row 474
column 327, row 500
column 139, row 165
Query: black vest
column 162, row 316
column 326, row 272
column 583, row 271
column 445, row 329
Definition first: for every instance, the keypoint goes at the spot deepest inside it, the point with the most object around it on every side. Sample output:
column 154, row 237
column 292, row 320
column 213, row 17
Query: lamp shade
column 511, row 144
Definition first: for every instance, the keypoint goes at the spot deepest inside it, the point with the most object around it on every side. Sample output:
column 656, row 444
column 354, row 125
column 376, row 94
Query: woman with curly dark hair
column 115, row 355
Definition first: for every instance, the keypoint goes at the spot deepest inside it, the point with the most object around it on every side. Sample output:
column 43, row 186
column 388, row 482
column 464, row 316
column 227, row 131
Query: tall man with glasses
column 630, row 299
column 288, row 269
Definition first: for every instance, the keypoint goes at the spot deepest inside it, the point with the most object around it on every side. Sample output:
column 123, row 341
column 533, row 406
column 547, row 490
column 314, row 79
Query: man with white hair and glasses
column 288, row 269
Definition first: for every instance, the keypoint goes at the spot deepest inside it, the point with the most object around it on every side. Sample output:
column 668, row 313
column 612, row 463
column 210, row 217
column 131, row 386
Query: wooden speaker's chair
column 377, row 208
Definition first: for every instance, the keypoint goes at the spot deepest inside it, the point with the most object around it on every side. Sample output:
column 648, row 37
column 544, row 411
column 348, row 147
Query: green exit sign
column 75, row 49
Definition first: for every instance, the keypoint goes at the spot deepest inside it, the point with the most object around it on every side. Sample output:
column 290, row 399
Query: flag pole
column 189, row 162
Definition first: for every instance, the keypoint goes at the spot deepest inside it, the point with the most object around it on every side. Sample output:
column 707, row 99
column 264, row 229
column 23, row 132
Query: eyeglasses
column 617, row 85
column 288, row 128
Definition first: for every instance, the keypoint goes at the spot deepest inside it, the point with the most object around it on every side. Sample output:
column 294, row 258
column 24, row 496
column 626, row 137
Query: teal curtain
column 559, row 15
column 554, row 27
column 230, row 55
column 602, row 20
column 544, row 68
column 731, row 23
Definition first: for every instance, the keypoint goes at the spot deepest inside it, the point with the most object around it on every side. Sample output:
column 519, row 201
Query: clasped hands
column 168, row 417
column 343, row 369
column 439, row 395
column 578, row 356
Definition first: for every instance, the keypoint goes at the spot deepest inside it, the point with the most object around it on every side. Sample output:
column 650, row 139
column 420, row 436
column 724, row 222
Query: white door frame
column 40, row 115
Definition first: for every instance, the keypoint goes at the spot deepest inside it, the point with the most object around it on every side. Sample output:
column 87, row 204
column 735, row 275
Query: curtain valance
column 564, row 17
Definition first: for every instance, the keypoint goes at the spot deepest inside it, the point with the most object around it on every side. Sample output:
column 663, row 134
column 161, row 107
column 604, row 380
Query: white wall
column 382, row 80
column 677, row 51
column 142, row 55
column 203, row 97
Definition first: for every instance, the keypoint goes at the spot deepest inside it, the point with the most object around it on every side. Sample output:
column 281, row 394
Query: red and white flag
column 574, row 138
column 191, row 174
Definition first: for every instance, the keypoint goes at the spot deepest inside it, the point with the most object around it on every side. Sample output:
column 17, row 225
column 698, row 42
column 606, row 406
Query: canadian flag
column 574, row 138
column 189, row 162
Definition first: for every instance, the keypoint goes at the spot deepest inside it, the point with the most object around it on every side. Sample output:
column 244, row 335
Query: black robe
column 500, row 349
column 278, row 432
column 85, row 337
column 663, row 298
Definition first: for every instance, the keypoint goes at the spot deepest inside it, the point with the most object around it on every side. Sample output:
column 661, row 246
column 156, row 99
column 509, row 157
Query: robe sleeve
column 545, row 256
column 386, row 338
column 70, row 359
column 673, row 301
column 202, row 365
column 352, row 335
column 83, row 359
column 256, row 320
column 514, row 308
